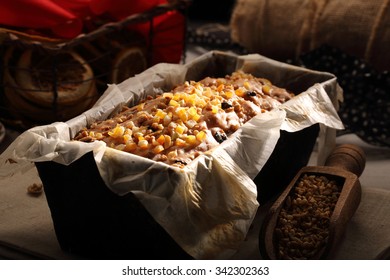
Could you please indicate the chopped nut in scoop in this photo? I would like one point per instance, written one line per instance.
(302, 228)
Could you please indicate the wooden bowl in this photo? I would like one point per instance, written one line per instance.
(308, 219)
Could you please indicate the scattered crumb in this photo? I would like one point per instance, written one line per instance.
(35, 189)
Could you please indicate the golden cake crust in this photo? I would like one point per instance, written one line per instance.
(176, 126)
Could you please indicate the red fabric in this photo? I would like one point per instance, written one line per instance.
(38, 14)
(167, 38)
(80, 8)
(167, 45)
(120, 9)
(67, 18)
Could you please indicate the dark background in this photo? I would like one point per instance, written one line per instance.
(211, 10)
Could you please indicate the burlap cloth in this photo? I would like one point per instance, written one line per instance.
(286, 29)
(26, 229)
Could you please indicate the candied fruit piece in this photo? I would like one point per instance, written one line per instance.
(158, 149)
(201, 135)
(117, 131)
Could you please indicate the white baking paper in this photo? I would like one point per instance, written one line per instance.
(208, 206)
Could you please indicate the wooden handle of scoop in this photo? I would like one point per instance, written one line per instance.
(348, 157)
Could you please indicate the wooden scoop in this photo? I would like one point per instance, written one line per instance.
(303, 223)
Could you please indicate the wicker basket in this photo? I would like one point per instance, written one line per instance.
(43, 80)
